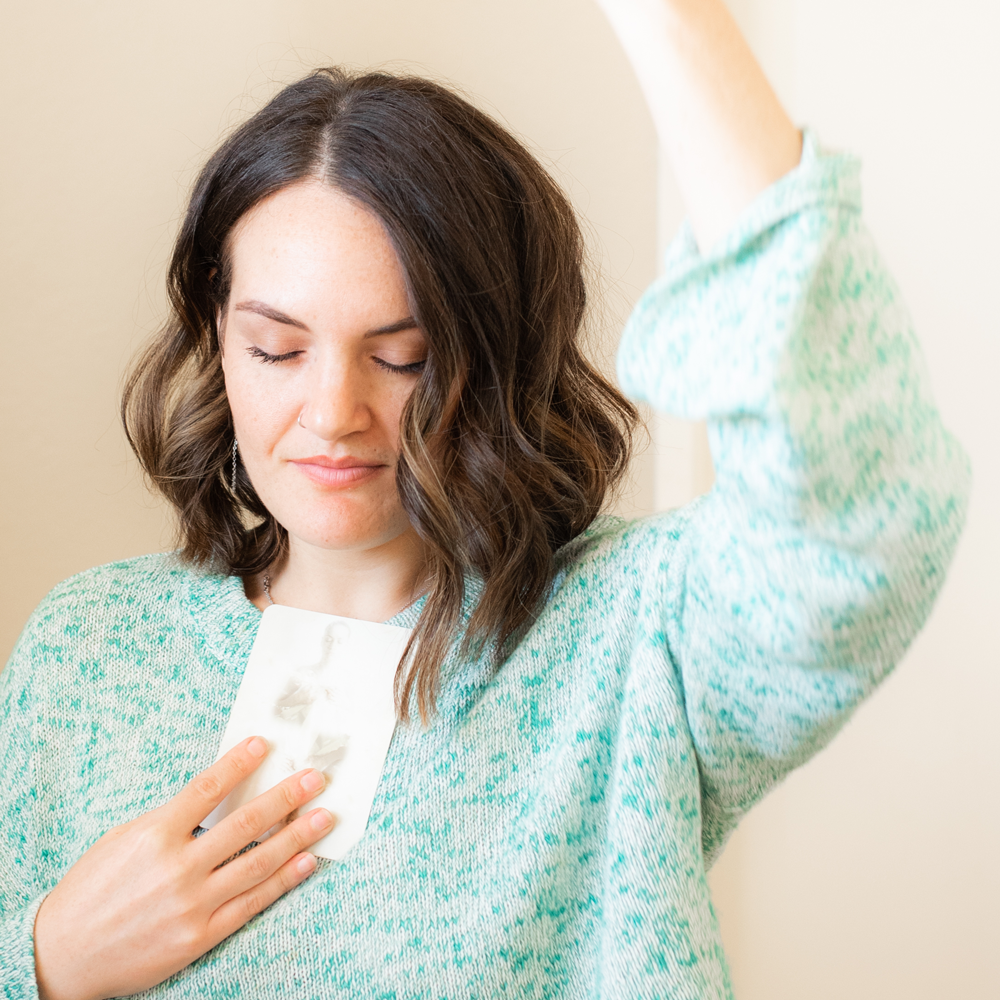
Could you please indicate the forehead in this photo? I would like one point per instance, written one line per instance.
(310, 246)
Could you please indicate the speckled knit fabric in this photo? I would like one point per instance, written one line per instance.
(548, 835)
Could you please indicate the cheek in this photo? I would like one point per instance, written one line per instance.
(392, 414)
(259, 405)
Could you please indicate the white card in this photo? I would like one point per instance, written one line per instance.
(318, 688)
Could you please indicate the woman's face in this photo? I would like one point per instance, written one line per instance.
(320, 354)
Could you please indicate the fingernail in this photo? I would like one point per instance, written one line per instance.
(305, 864)
(257, 747)
(321, 819)
(312, 781)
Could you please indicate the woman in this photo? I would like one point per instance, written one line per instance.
(370, 403)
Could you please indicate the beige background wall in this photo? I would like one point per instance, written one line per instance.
(873, 872)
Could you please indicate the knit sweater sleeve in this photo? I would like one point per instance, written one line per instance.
(799, 580)
(20, 894)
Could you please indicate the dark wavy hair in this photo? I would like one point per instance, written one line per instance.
(510, 441)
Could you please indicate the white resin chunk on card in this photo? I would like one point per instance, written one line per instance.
(318, 688)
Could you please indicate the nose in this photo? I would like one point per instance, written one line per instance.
(334, 406)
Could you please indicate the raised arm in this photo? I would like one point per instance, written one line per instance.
(794, 587)
(717, 117)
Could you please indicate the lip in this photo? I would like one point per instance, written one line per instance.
(345, 471)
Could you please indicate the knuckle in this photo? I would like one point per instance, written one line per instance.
(238, 761)
(267, 891)
(208, 785)
(283, 881)
(146, 838)
(253, 901)
(289, 793)
(247, 824)
(188, 937)
(259, 865)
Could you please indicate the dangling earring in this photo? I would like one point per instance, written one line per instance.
(232, 480)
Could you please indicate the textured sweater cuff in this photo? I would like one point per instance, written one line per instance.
(706, 339)
(17, 953)
(821, 180)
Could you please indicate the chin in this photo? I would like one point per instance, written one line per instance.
(346, 532)
(344, 520)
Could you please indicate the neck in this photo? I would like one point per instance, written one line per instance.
(370, 584)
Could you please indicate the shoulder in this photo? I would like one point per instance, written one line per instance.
(120, 584)
(102, 599)
(611, 545)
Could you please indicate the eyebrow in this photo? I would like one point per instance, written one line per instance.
(409, 323)
(263, 309)
(269, 312)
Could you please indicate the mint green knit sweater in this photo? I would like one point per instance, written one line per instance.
(548, 835)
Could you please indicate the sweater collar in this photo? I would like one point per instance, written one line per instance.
(227, 621)
(224, 619)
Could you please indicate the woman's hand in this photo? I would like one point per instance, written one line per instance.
(149, 898)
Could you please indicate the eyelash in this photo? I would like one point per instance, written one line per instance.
(412, 369)
(272, 359)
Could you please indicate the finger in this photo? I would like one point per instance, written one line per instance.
(234, 913)
(206, 790)
(258, 865)
(247, 823)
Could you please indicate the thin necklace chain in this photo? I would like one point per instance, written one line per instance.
(270, 599)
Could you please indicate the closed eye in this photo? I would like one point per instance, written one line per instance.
(270, 359)
(415, 368)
